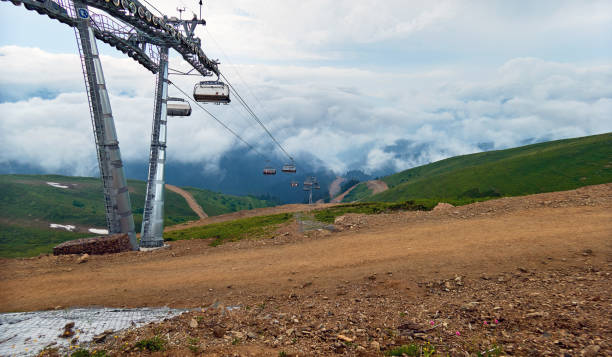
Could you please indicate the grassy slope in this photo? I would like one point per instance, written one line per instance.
(28, 205)
(252, 227)
(358, 193)
(214, 203)
(545, 167)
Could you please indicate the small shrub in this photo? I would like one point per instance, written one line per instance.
(155, 343)
(413, 350)
(76, 203)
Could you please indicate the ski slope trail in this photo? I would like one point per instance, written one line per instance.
(193, 204)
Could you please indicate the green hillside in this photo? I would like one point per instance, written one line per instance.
(544, 167)
(214, 203)
(29, 204)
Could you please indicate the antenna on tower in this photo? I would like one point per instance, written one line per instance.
(180, 10)
(200, 9)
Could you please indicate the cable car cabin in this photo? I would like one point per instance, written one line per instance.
(178, 107)
(289, 168)
(211, 92)
(269, 171)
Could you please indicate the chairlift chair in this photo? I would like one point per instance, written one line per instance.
(290, 168)
(268, 170)
(215, 92)
(295, 184)
(178, 107)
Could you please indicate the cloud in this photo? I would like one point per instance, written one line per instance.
(346, 116)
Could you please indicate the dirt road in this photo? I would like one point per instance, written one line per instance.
(195, 207)
(488, 237)
(334, 187)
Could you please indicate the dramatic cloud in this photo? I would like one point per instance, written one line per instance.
(357, 85)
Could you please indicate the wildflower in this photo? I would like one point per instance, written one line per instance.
(458, 333)
(496, 321)
(432, 323)
(485, 323)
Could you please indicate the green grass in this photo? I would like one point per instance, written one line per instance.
(214, 203)
(252, 227)
(358, 193)
(328, 215)
(28, 204)
(17, 242)
(544, 167)
(152, 344)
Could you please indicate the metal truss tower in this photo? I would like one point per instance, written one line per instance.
(153, 215)
(119, 217)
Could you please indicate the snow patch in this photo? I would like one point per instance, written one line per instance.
(55, 184)
(26, 333)
(98, 231)
(68, 227)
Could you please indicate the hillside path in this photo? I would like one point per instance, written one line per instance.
(190, 200)
(377, 186)
(553, 230)
(341, 196)
(334, 187)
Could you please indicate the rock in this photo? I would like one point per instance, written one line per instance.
(290, 332)
(83, 258)
(375, 345)
(344, 338)
(218, 331)
(68, 332)
(535, 314)
(590, 351)
(442, 206)
(193, 323)
(101, 337)
(252, 335)
(360, 349)
(470, 306)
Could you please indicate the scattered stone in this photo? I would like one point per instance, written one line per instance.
(193, 323)
(68, 330)
(218, 331)
(345, 338)
(83, 258)
(590, 351)
(535, 314)
(375, 345)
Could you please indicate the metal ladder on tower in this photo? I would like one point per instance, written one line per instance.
(98, 131)
(153, 215)
(117, 203)
(153, 156)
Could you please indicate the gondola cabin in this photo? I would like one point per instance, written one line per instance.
(211, 92)
(178, 107)
(290, 168)
(269, 171)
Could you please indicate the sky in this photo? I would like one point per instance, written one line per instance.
(371, 85)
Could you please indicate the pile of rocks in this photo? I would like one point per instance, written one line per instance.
(113, 243)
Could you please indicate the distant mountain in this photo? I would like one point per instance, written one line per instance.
(543, 167)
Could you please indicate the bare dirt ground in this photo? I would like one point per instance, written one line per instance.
(195, 207)
(377, 186)
(334, 187)
(530, 275)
